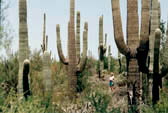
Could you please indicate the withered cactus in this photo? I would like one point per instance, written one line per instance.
(44, 45)
(109, 58)
(24, 63)
(47, 72)
(136, 50)
(75, 64)
(102, 46)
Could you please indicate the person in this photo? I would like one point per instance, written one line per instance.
(111, 81)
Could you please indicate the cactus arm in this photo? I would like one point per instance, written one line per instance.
(46, 43)
(145, 19)
(44, 34)
(82, 64)
(154, 25)
(132, 24)
(118, 33)
(26, 71)
(101, 30)
(59, 48)
(78, 37)
(23, 41)
(156, 78)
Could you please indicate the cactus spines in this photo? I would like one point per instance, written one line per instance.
(102, 46)
(74, 67)
(109, 58)
(23, 45)
(134, 47)
(47, 72)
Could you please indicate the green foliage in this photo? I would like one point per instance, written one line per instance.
(34, 104)
(8, 80)
(100, 102)
(82, 78)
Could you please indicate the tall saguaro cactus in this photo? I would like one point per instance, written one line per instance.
(44, 45)
(135, 50)
(24, 63)
(102, 46)
(75, 64)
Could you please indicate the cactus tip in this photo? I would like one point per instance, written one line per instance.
(158, 31)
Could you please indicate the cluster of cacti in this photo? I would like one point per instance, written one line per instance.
(75, 64)
(102, 46)
(109, 58)
(24, 63)
(136, 51)
(44, 45)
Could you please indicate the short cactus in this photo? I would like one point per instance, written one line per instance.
(75, 64)
(24, 63)
(102, 46)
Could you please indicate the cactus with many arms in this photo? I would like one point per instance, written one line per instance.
(136, 51)
(102, 46)
(24, 63)
(75, 64)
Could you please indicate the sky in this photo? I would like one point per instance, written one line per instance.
(57, 12)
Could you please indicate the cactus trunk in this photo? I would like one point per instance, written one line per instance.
(102, 46)
(23, 46)
(47, 73)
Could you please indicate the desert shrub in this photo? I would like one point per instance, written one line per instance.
(8, 76)
(82, 80)
(34, 104)
(100, 101)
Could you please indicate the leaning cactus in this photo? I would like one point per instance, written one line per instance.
(102, 46)
(109, 58)
(24, 63)
(75, 64)
(136, 50)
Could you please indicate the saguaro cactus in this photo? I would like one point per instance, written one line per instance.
(23, 86)
(102, 46)
(44, 45)
(136, 50)
(75, 66)
(109, 58)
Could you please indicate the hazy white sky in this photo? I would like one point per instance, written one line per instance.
(57, 12)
